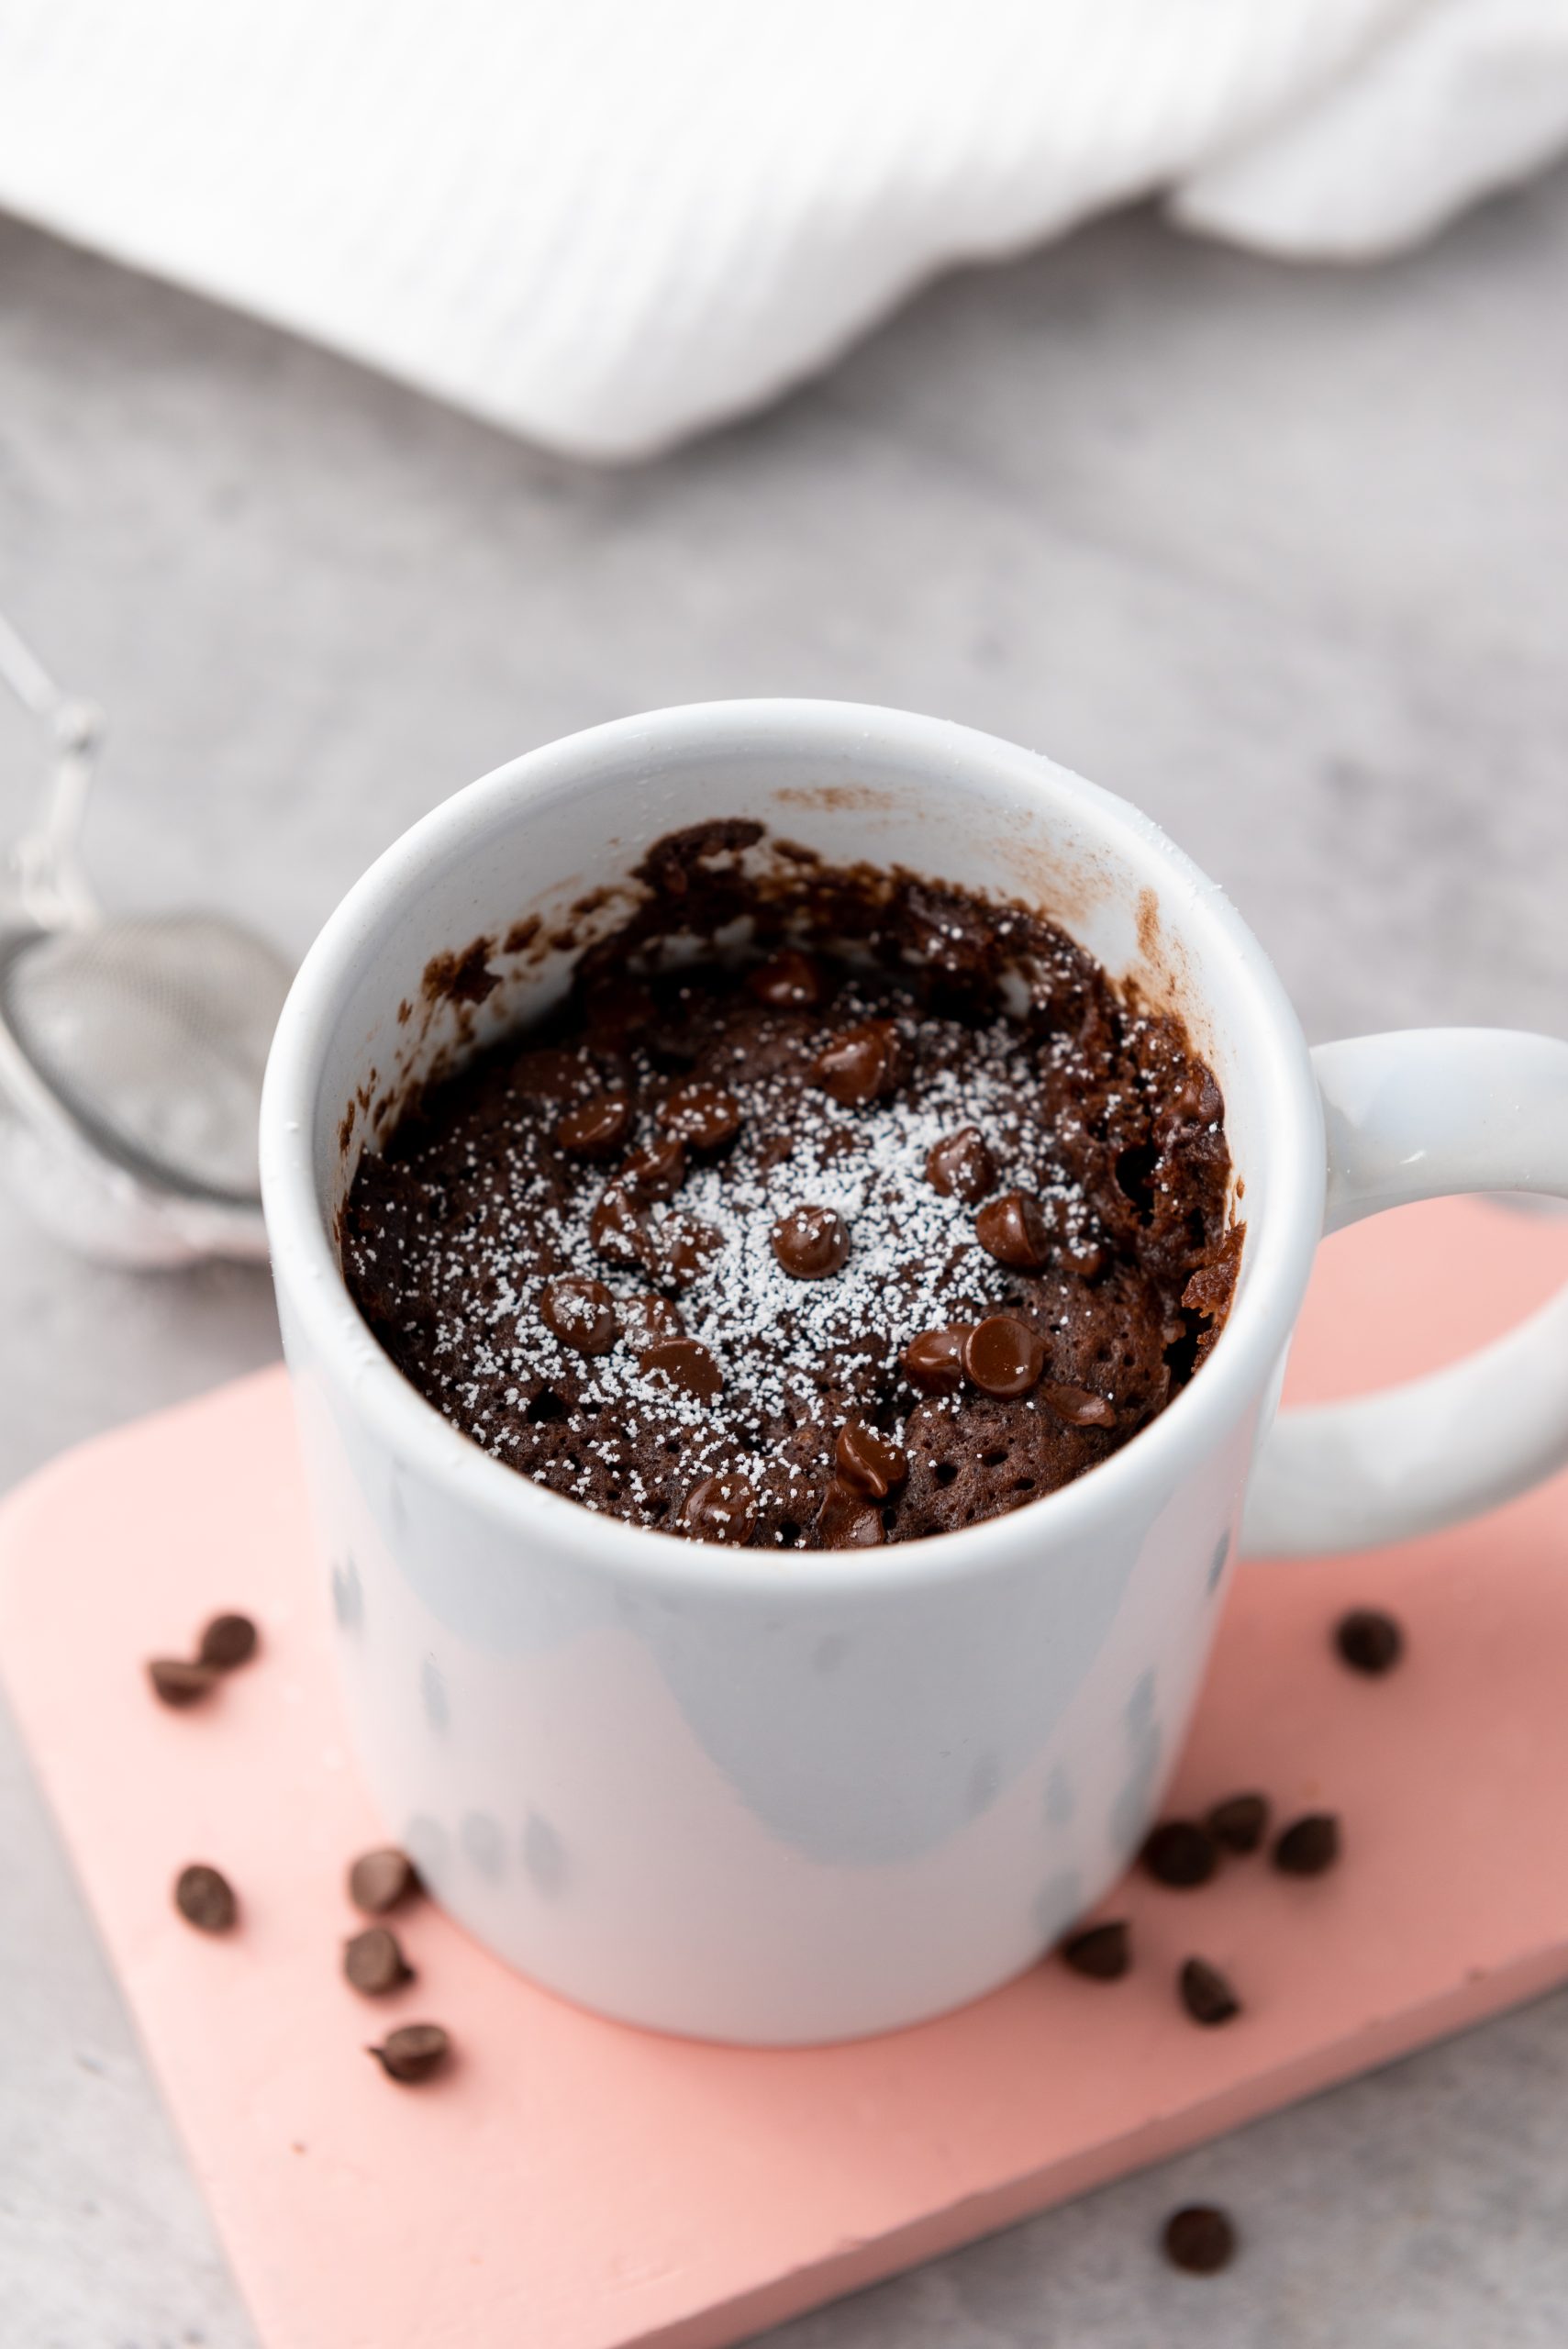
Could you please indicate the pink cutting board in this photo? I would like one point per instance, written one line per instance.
(575, 2185)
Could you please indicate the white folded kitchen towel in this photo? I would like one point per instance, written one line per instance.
(609, 222)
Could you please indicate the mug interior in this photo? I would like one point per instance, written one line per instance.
(471, 922)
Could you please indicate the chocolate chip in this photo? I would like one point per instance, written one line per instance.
(378, 1880)
(686, 1363)
(788, 981)
(846, 1519)
(1310, 1844)
(1077, 1406)
(680, 1248)
(413, 2051)
(1086, 1257)
(618, 1230)
(1003, 1357)
(721, 1509)
(702, 1116)
(1240, 1823)
(1017, 1230)
(810, 1242)
(934, 1360)
(658, 1171)
(227, 1641)
(1205, 1994)
(581, 1313)
(1199, 2240)
(861, 1064)
(1369, 1641)
(596, 1127)
(204, 1898)
(1180, 1853)
(869, 1462)
(646, 1320)
(1103, 1952)
(960, 1166)
(175, 1682)
(373, 1963)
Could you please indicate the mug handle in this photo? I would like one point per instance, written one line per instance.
(1418, 1115)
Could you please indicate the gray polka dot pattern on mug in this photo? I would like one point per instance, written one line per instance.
(433, 1696)
(544, 1856)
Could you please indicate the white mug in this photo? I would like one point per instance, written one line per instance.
(803, 1795)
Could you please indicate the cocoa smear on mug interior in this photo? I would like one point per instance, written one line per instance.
(897, 1218)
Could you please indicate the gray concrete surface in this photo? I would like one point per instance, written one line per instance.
(1279, 554)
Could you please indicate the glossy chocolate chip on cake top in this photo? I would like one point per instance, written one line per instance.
(807, 1249)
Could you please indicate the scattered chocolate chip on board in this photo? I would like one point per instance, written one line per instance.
(1179, 1853)
(1369, 1641)
(180, 1683)
(1205, 1994)
(1199, 2240)
(205, 1898)
(1240, 1823)
(228, 1642)
(412, 2052)
(1308, 1845)
(1100, 1952)
(374, 1963)
(378, 1880)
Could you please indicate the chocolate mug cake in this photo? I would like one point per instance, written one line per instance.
(829, 1208)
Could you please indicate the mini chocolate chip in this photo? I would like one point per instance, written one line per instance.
(861, 1064)
(204, 1898)
(721, 1509)
(596, 1127)
(960, 1166)
(1017, 1230)
(934, 1360)
(656, 1171)
(1369, 1641)
(1003, 1357)
(618, 1230)
(1077, 1406)
(1180, 1853)
(581, 1313)
(1102, 1952)
(1199, 2240)
(413, 2051)
(702, 1116)
(378, 1880)
(648, 1318)
(227, 1641)
(686, 1363)
(1240, 1823)
(373, 1963)
(869, 1462)
(1205, 1994)
(176, 1681)
(1086, 1257)
(846, 1519)
(788, 981)
(1310, 1844)
(810, 1242)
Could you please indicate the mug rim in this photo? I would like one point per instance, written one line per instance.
(304, 1260)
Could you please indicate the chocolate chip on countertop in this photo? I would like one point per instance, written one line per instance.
(179, 1682)
(1003, 1357)
(413, 2051)
(1179, 1853)
(861, 1064)
(596, 1127)
(1017, 1230)
(1240, 1823)
(788, 981)
(581, 1313)
(1205, 1994)
(847, 1521)
(686, 1363)
(1369, 1641)
(960, 1166)
(373, 1962)
(869, 1462)
(1199, 2240)
(227, 1641)
(205, 1899)
(703, 1117)
(721, 1509)
(1077, 1406)
(378, 1880)
(1103, 1953)
(933, 1361)
(810, 1242)
(1308, 1845)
